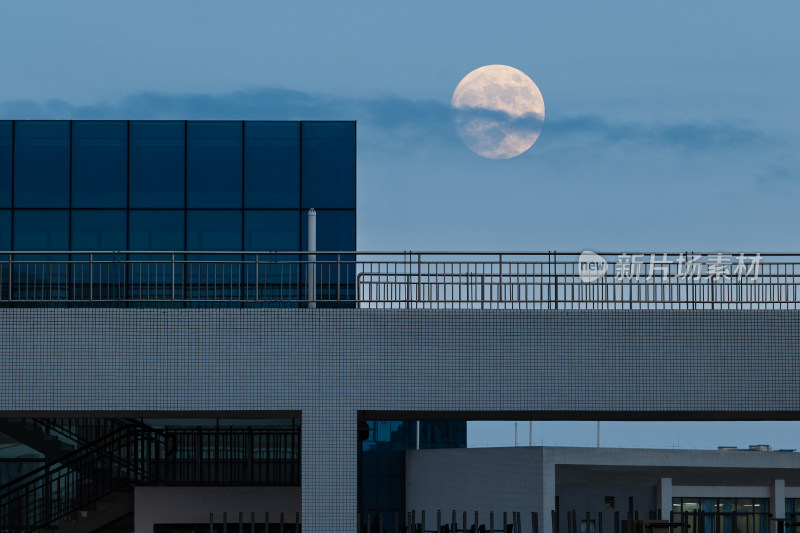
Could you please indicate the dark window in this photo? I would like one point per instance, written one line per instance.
(5, 231)
(157, 164)
(99, 164)
(156, 230)
(272, 164)
(266, 231)
(214, 177)
(336, 230)
(37, 230)
(329, 165)
(214, 231)
(41, 164)
(98, 230)
(5, 163)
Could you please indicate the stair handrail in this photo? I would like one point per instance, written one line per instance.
(23, 491)
(76, 437)
(92, 447)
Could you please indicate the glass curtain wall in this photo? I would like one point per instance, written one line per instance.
(201, 186)
(723, 515)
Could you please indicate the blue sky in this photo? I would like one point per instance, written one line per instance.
(670, 125)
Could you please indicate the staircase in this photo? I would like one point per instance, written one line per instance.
(57, 437)
(30, 432)
(87, 488)
(90, 488)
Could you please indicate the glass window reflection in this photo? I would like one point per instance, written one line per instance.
(266, 231)
(329, 165)
(41, 164)
(101, 230)
(99, 164)
(5, 231)
(214, 231)
(336, 230)
(214, 159)
(40, 230)
(272, 164)
(156, 230)
(157, 172)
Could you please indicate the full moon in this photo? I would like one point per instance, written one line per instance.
(499, 111)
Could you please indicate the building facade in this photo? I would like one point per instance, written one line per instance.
(600, 489)
(122, 190)
(176, 185)
(91, 329)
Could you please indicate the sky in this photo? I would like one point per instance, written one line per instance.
(669, 125)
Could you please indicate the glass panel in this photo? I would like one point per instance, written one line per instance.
(691, 504)
(329, 165)
(41, 164)
(745, 505)
(214, 177)
(336, 230)
(155, 276)
(214, 278)
(272, 164)
(5, 231)
(5, 163)
(157, 164)
(266, 231)
(214, 231)
(335, 275)
(99, 164)
(156, 230)
(38, 230)
(41, 276)
(102, 230)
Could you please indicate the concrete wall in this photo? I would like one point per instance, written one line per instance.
(331, 364)
(192, 505)
(526, 479)
(591, 498)
(483, 480)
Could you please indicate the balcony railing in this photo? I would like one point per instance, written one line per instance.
(417, 280)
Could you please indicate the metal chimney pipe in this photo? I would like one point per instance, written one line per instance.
(311, 270)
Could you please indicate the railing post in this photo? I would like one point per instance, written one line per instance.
(419, 278)
(10, 276)
(555, 273)
(172, 292)
(91, 277)
(500, 284)
(256, 289)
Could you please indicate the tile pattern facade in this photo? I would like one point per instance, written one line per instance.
(331, 364)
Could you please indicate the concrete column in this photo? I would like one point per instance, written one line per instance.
(548, 503)
(777, 502)
(329, 477)
(664, 497)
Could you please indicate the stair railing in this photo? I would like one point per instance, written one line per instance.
(56, 490)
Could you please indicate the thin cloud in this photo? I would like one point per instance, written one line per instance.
(690, 136)
(390, 119)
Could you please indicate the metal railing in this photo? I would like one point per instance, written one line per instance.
(136, 454)
(418, 280)
(76, 432)
(231, 456)
(56, 490)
